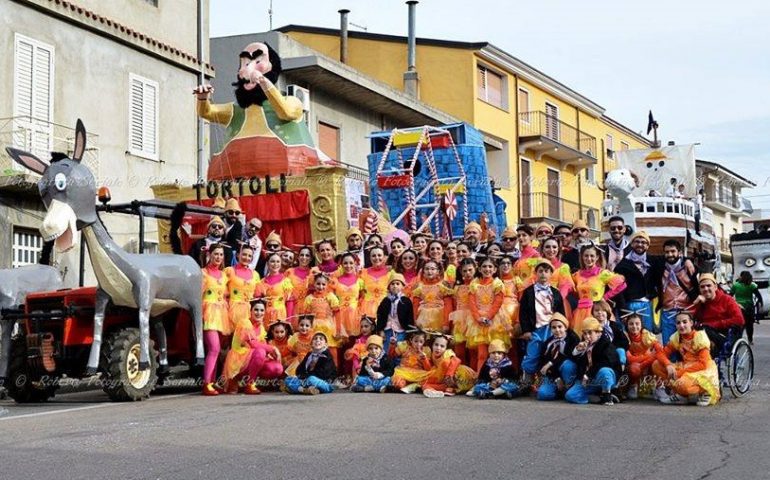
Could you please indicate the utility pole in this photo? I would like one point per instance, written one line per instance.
(270, 13)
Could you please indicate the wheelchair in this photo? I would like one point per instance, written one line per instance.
(735, 363)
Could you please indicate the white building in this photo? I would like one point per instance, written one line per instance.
(127, 69)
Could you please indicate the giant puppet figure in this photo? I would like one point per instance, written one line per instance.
(152, 284)
(751, 253)
(265, 134)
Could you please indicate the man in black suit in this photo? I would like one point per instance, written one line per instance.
(214, 234)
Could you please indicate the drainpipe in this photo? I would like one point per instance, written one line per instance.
(411, 79)
(201, 79)
(344, 35)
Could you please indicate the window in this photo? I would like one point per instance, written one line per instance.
(523, 104)
(609, 144)
(27, 245)
(624, 145)
(591, 175)
(490, 87)
(33, 96)
(329, 140)
(143, 117)
(551, 121)
(525, 188)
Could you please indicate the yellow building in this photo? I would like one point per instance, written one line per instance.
(547, 145)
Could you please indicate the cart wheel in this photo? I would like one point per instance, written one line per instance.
(24, 385)
(124, 380)
(741, 368)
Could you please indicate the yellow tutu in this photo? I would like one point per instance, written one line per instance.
(477, 334)
(410, 375)
(459, 321)
(502, 324)
(215, 317)
(466, 378)
(431, 318)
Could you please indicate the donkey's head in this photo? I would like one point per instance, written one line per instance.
(67, 188)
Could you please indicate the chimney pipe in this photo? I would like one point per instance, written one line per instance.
(411, 79)
(344, 35)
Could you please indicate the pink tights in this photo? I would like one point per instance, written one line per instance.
(211, 340)
(260, 367)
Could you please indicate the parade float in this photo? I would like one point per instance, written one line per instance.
(637, 192)
(751, 253)
(420, 178)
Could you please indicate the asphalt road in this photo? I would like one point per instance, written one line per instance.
(179, 434)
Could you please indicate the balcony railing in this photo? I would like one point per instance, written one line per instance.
(544, 206)
(724, 245)
(41, 137)
(540, 124)
(731, 202)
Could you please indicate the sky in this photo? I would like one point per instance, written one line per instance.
(703, 67)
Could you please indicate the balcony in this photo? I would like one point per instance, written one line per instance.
(724, 247)
(547, 135)
(727, 204)
(40, 138)
(544, 207)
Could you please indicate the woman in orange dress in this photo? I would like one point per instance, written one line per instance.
(349, 289)
(242, 282)
(277, 290)
(461, 316)
(216, 322)
(507, 318)
(300, 277)
(250, 357)
(593, 283)
(375, 280)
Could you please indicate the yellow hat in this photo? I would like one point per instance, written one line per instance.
(497, 346)
(579, 224)
(215, 220)
(510, 231)
(232, 204)
(273, 237)
(472, 226)
(219, 202)
(707, 277)
(397, 277)
(590, 324)
(558, 317)
(543, 261)
(640, 234)
(374, 340)
(544, 225)
(352, 232)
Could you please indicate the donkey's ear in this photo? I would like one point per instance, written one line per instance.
(27, 160)
(80, 141)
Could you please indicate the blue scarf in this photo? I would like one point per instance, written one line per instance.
(505, 362)
(672, 271)
(639, 260)
(394, 299)
(607, 331)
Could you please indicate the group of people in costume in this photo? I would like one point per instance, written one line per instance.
(544, 310)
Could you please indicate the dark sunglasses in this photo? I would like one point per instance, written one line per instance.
(619, 229)
(273, 246)
(509, 239)
(218, 226)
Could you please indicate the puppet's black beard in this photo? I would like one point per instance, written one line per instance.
(247, 98)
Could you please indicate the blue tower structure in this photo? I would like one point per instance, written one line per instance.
(454, 151)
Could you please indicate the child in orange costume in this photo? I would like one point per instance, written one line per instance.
(278, 336)
(485, 300)
(432, 299)
(323, 304)
(693, 380)
(642, 348)
(415, 362)
(300, 344)
(448, 375)
(461, 315)
(354, 354)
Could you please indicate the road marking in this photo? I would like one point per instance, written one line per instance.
(90, 407)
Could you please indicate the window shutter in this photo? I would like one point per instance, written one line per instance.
(33, 101)
(143, 117)
(482, 81)
(494, 89)
(23, 80)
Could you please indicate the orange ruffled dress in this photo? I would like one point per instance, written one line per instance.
(300, 287)
(240, 351)
(486, 297)
(375, 289)
(276, 294)
(461, 316)
(432, 304)
(240, 292)
(283, 347)
(215, 311)
(323, 305)
(348, 317)
(697, 373)
(299, 345)
(449, 366)
(508, 315)
(412, 369)
(591, 286)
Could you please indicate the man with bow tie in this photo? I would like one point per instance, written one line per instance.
(538, 304)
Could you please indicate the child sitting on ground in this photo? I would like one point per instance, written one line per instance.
(315, 372)
(598, 366)
(557, 369)
(414, 365)
(642, 348)
(497, 377)
(376, 368)
(300, 342)
(354, 354)
(611, 329)
(278, 336)
(448, 375)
